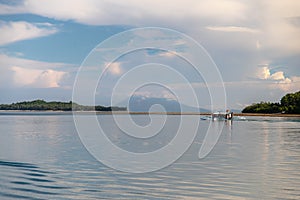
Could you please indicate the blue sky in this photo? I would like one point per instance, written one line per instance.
(255, 44)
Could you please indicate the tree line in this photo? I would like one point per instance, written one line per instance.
(290, 103)
(42, 105)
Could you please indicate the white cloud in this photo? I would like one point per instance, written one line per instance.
(11, 9)
(277, 76)
(7, 61)
(263, 73)
(135, 12)
(37, 78)
(291, 84)
(155, 93)
(288, 8)
(278, 80)
(280, 37)
(168, 54)
(19, 72)
(21, 30)
(114, 68)
(232, 29)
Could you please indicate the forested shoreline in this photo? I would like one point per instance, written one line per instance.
(290, 103)
(41, 105)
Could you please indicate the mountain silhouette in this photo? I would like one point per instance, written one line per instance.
(143, 104)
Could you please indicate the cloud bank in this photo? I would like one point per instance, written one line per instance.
(132, 12)
(21, 30)
(274, 20)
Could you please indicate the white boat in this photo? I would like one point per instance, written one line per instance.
(222, 115)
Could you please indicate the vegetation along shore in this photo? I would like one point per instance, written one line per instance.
(290, 104)
(41, 105)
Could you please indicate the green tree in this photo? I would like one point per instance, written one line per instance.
(290, 103)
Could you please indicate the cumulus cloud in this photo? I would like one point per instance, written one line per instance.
(19, 72)
(278, 79)
(37, 78)
(265, 74)
(114, 68)
(277, 76)
(21, 30)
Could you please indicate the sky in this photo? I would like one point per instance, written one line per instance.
(254, 44)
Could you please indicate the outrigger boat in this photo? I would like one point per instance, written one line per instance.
(222, 115)
(219, 116)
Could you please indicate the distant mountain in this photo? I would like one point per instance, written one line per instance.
(143, 104)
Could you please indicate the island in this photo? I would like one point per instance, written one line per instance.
(41, 105)
(289, 104)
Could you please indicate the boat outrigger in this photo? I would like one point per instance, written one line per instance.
(222, 115)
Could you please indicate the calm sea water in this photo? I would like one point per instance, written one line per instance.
(42, 157)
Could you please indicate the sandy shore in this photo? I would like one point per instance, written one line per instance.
(205, 114)
(146, 113)
(267, 115)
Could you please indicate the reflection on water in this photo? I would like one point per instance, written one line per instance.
(41, 157)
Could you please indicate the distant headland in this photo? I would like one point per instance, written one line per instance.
(289, 104)
(41, 105)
